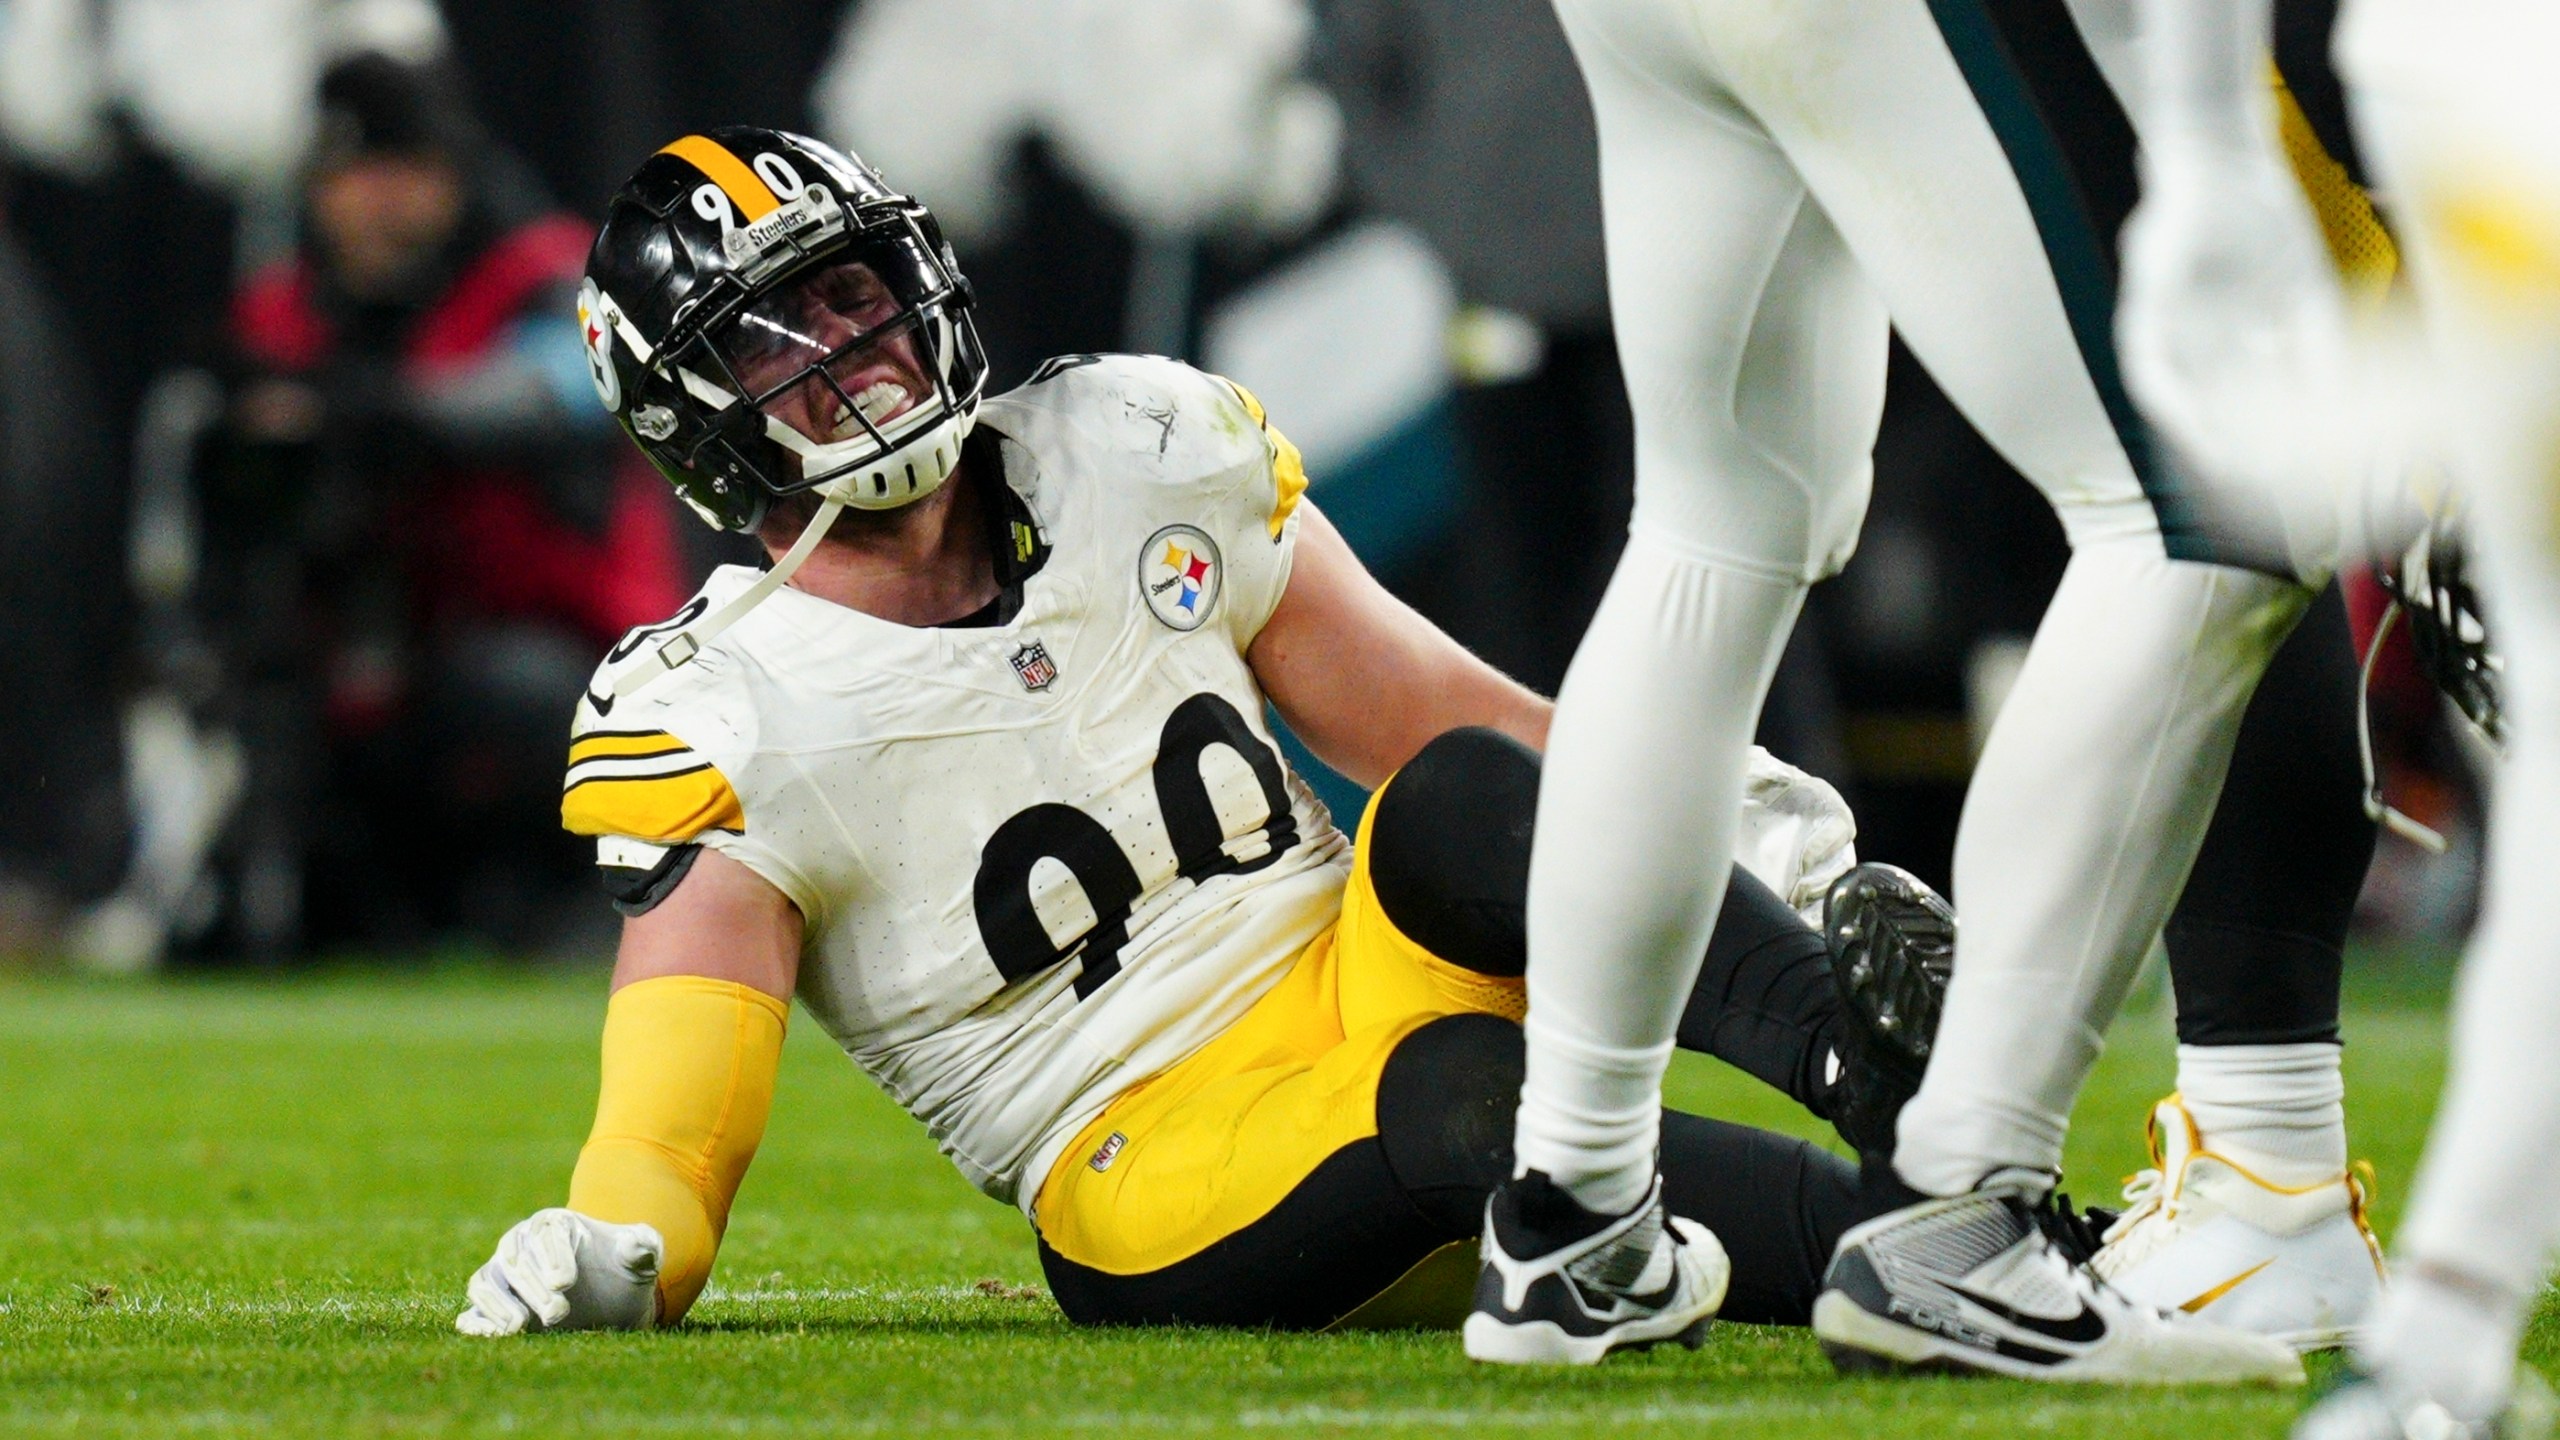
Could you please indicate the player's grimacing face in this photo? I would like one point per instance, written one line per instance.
(822, 319)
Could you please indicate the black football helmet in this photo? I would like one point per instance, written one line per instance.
(766, 317)
(2448, 630)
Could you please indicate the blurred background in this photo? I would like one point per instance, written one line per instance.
(311, 528)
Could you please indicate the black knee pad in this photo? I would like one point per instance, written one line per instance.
(1449, 849)
(1445, 1104)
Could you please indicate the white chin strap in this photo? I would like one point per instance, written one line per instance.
(688, 642)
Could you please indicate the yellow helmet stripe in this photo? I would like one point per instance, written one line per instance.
(745, 189)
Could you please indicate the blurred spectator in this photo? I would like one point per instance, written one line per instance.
(1095, 160)
(420, 532)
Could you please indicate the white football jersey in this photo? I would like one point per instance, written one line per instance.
(1039, 861)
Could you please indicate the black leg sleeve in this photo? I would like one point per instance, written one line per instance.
(2255, 943)
(1778, 1204)
(1449, 856)
(1764, 1001)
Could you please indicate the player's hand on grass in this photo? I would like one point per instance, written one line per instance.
(561, 1270)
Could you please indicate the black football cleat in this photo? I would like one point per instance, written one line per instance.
(1892, 942)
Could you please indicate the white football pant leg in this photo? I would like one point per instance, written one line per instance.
(2084, 816)
(2093, 792)
(1754, 357)
(1753, 365)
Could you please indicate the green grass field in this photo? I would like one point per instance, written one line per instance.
(235, 1208)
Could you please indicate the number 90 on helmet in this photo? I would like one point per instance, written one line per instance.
(766, 317)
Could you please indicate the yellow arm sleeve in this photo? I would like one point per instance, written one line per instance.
(689, 1065)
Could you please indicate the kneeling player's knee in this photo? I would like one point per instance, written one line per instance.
(1445, 1103)
(1449, 849)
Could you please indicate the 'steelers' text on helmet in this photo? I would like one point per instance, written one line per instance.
(766, 317)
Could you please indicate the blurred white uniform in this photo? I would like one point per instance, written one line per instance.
(1778, 180)
(2454, 102)
(1099, 784)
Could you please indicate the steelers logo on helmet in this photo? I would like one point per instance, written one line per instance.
(595, 328)
(1181, 575)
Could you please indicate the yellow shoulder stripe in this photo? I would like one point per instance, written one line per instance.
(736, 179)
(664, 809)
(1252, 406)
(2365, 255)
(1288, 467)
(624, 744)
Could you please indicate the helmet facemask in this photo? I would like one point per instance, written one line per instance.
(855, 377)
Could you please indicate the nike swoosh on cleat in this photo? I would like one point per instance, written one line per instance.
(2080, 1329)
(2225, 1288)
(1621, 1307)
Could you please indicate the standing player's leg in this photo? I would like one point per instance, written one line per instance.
(2252, 1150)
(2095, 787)
(1445, 852)
(1754, 359)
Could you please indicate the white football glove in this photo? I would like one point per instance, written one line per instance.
(561, 1270)
(1797, 834)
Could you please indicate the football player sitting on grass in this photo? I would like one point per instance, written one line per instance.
(979, 771)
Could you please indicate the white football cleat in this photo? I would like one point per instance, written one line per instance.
(1561, 1285)
(2206, 1237)
(1981, 1283)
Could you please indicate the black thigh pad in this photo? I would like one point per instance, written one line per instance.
(1445, 1105)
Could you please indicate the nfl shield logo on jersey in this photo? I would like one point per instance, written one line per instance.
(1180, 575)
(1033, 664)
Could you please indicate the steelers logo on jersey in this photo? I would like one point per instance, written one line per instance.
(1180, 574)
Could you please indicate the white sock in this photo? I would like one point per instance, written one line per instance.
(1597, 1125)
(2277, 1111)
(2082, 820)
(1637, 811)
(2453, 1344)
